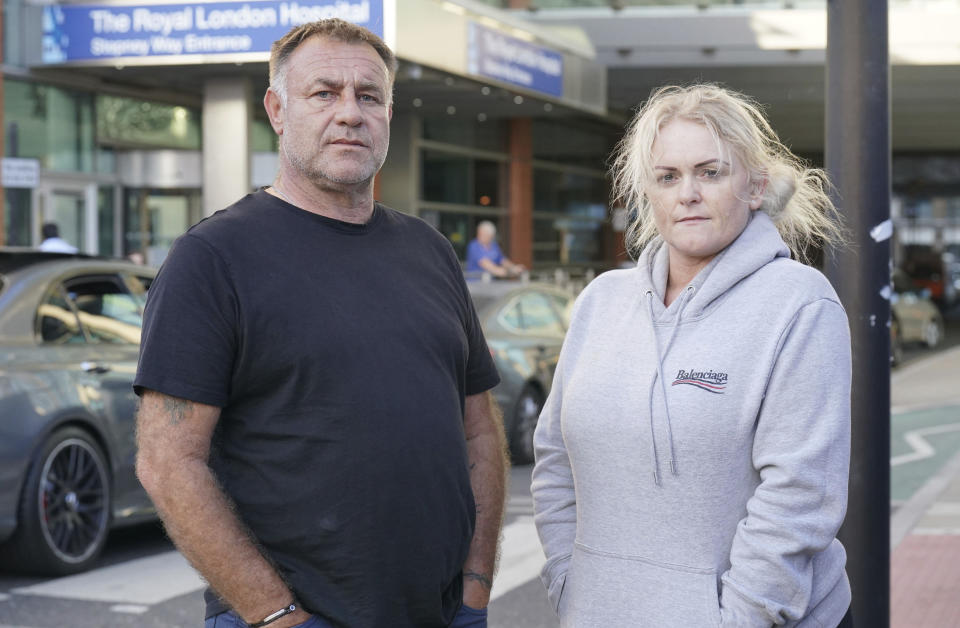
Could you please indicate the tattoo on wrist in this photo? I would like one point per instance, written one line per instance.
(176, 407)
(482, 578)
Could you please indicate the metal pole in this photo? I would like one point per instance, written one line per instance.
(858, 161)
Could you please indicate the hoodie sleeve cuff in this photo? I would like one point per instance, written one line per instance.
(554, 576)
(737, 611)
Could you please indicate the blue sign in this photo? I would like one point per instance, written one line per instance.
(111, 31)
(511, 60)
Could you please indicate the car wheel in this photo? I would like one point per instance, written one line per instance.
(525, 417)
(933, 333)
(64, 508)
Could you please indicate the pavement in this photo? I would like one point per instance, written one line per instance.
(925, 524)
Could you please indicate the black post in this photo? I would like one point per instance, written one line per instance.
(858, 161)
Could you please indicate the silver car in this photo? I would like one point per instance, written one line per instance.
(524, 324)
(69, 339)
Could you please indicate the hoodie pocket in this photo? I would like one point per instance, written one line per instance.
(604, 589)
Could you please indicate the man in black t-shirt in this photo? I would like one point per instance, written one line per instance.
(316, 428)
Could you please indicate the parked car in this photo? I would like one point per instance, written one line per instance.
(524, 324)
(914, 317)
(69, 338)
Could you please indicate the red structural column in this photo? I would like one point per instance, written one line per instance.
(520, 178)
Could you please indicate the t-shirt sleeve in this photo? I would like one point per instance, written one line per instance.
(481, 372)
(190, 328)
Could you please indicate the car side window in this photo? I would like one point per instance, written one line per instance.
(564, 305)
(107, 311)
(531, 313)
(538, 317)
(139, 285)
(58, 322)
(512, 318)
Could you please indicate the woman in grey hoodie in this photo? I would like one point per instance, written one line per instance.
(692, 458)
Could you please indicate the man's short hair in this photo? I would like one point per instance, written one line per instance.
(486, 225)
(50, 230)
(333, 28)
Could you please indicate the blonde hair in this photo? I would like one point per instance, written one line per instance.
(795, 196)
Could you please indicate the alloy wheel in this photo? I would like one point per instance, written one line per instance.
(72, 500)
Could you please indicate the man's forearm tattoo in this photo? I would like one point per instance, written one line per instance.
(176, 407)
(482, 578)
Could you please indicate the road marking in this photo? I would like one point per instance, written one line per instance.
(936, 531)
(132, 609)
(519, 505)
(910, 514)
(922, 449)
(144, 581)
(521, 557)
(136, 585)
(944, 508)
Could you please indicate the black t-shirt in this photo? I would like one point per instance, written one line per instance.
(340, 355)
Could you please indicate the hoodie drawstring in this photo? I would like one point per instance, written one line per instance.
(684, 300)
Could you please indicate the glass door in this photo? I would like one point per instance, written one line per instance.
(154, 218)
(68, 211)
(72, 206)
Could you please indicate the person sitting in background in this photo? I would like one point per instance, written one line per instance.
(484, 254)
(52, 242)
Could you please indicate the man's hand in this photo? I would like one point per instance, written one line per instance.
(487, 454)
(173, 440)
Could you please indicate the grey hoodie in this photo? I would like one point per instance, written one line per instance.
(692, 460)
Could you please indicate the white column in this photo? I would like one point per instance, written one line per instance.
(226, 142)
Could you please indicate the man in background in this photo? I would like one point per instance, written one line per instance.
(52, 242)
(484, 254)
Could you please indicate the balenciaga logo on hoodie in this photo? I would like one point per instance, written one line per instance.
(710, 381)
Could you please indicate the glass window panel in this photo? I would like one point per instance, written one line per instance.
(566, 240)
(918, 208)
(51, 124)
(574, 143)
(446, 178)
(105, 220)
(569, 193)
(953, 208)
(106, 160)
(153, 219)
(16, 218)
(107, 312)
(68, 212)
(130, 121)
(487, 135)
(457, 229)
(487, 177)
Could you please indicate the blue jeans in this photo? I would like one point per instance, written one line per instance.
(466, 618)
(470, 618)
(229, 619)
